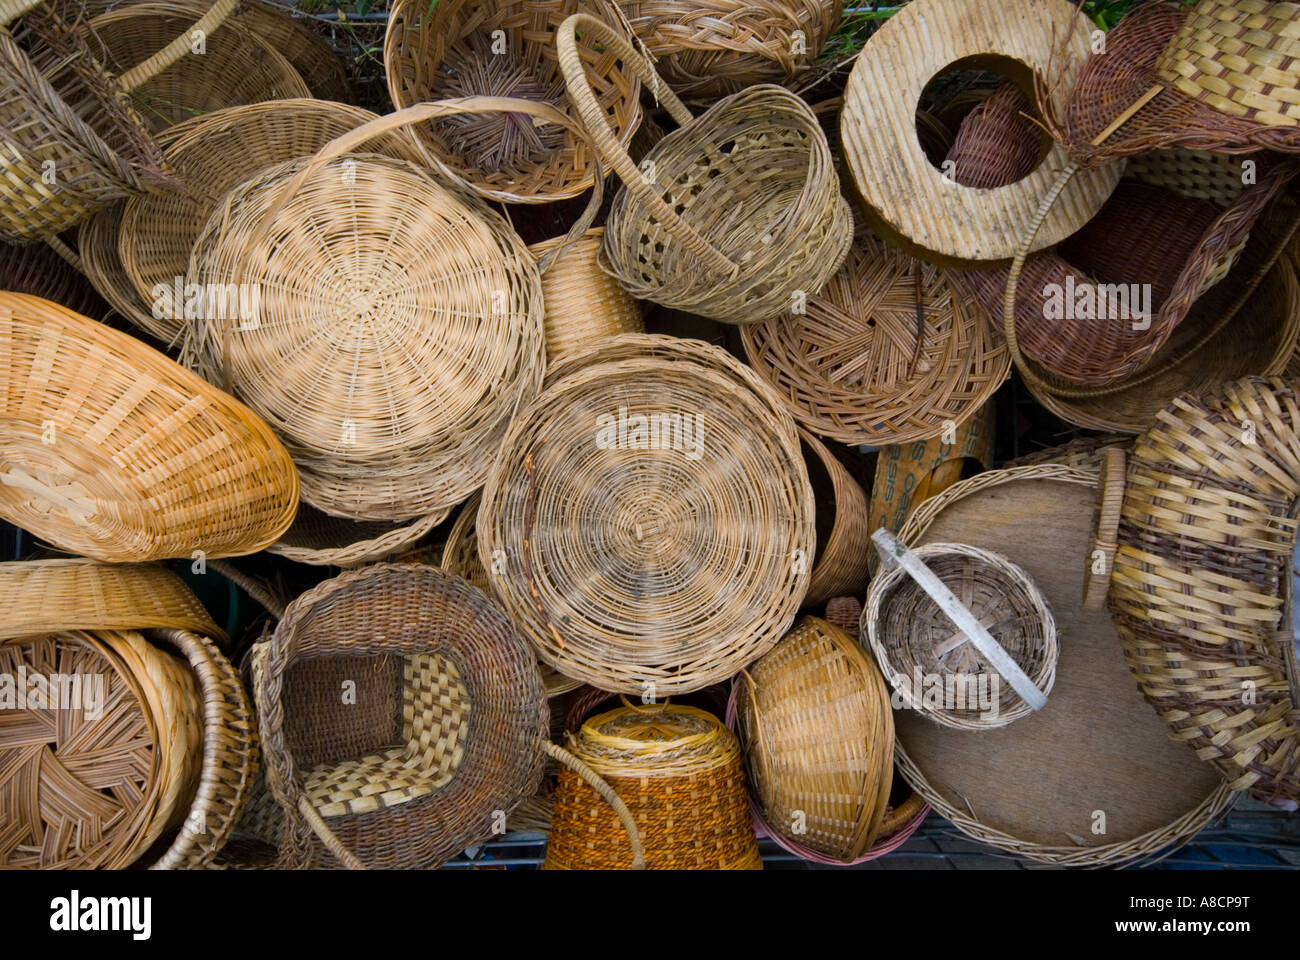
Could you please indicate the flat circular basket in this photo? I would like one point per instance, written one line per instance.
(1202, 586)
(814, 721)
(111, 450)
(890, 351)
(1091, 779)
(652, 517)
(504, 48)
(395, 335)
(679, 771)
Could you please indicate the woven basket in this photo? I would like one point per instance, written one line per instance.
(679, 771)
(39, 271)
(57, 104)
(320, 540)
(583, 303)
(1033, 788)
(306, 50)
(237, 65)
(1201, 589)
(815, 724)
(111, 450)
(97, 240)
(733, 215)
(468, 48)
(170, 745)
(710, 50)
(398, 332)
(914, 635)
(889, 352)
(212, 155)
(650, 570)
(843, 537)
(444, 737)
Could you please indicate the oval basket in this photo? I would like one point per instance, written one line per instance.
(111, 450)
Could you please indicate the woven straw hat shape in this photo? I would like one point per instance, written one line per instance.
(110, 449)
(445, 729)
(398, 332)
(679, 771)
(452, 49)
(720, 47)
(1201, 588)
(850, 367)
(636, 568)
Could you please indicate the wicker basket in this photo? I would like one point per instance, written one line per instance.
(1034, 788)
(889, 352)
(39, 271)
(111, 450)
(843, 538)
(97, 240)
(168, 747)
(1201, 589)
(308, 52)
(584, 304)
(443, 734)
(320, 540)
(58, 105)
(815, 724)
(237, 65)
(644, 568)
(213, 154)
(710, 50)
(741, 212)
(399, 332)
(467, 48)
(985, 620)
(679, 771)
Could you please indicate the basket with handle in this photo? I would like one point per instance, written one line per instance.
(170, 747)
(111, 450)
(729, 217)
(59, 106)
(440, 736)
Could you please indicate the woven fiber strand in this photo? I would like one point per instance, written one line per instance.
(583, 303)
(850, 368)
(638, 568)
(318, 539)
(212, 155)
(906, 192)
(1201, 584)
(97, 240)
(398, 332)
(144, 460)
(504, 48)
(713, 49)
(908, 631)
(741, 212)
(815, 723)
(679, 771)
(1030, 788)
(236, 66)
(840, 566)
(39, 271)
(444, 732)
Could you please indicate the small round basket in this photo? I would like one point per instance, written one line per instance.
(921, 645)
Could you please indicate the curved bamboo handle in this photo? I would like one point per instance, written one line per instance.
(332, 843)
(142, 73)
(607, 145)
(593, 780)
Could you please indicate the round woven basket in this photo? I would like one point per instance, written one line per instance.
(679, 771)
(843, 537)
(236, 65)
(584, 304)
(732, 216)
(890, 351)
(168, 746)
(708, 50)
(111, 450)
(915, 639)
(306, 50)
(650, 564)
(97, 240)
(397, 333)
(320, 540)
(1201, 588)
(213, 154)
(469, 48)
(1091, 779)
(815, 724)
(39, 271)
(439, 734)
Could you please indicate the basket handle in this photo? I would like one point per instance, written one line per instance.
(593, 780)
(608, 146)
(893, 551)
(142, 73)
